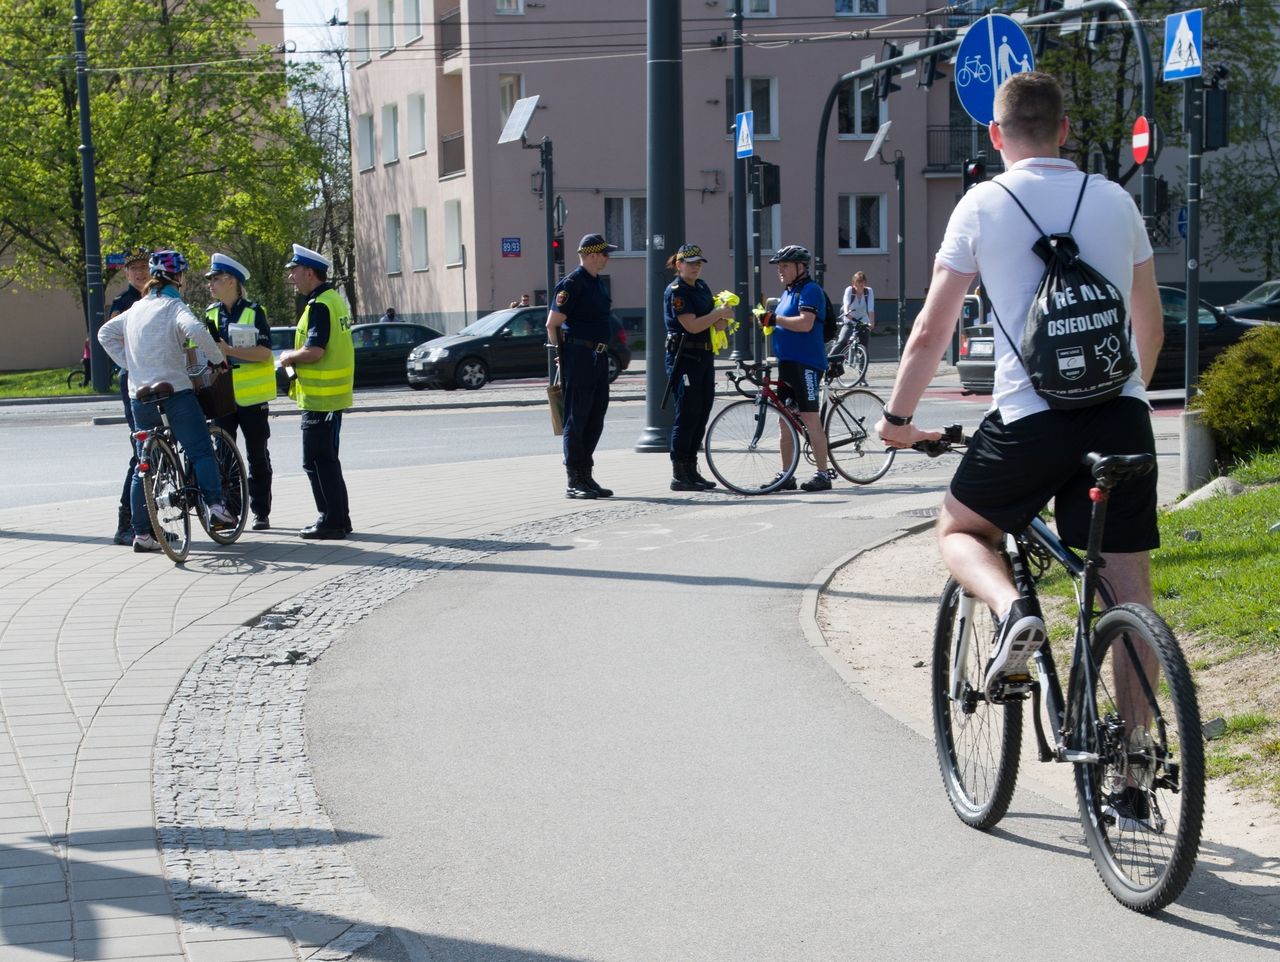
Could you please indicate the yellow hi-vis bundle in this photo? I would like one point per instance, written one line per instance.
(719, 338)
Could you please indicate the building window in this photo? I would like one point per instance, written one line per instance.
(863, 224)
(510, 6)
(418, 242)
(416, 123)
(386, 25)
(393, 243)
(760, 97)
(758, 8)
(625, 224)
(453, 232)
(412, 20)
(859, 8)
(510, 89)
(361, 21)
(861, 111)
(364, 141)
(390, 133)
(770, 228)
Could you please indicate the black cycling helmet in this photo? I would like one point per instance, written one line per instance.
(793, 253)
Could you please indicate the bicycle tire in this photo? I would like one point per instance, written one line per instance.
(855, 366)
(848, 424)
(1144, 863)
(164, 485)
(977, 742)
(75, 379)
(235, 485)
(744, 450)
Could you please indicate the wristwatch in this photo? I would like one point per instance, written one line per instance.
(897, 420)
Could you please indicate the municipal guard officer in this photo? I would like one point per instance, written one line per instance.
(689, 312)
(578, 327)
(241, 328)
(323, 357)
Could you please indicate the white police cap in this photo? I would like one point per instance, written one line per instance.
(222, 264)
(306, 257)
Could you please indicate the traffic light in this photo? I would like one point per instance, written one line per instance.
(1217, 109)
(975, 171)
(557, 253)
(884, 80)
(766, 183)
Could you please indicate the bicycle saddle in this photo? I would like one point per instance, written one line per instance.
(1111, 469)
(158, 391)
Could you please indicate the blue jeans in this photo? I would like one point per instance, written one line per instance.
(189, 427)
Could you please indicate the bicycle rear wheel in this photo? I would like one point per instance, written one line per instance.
(744, 450)
(164, 485)
(977, 741)
(858, 456)
(1142, 803)
(235, 485)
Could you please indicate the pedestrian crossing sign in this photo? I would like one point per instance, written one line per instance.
(1183, 43)
(745, 133)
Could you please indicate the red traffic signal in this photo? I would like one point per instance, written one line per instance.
(975, 172)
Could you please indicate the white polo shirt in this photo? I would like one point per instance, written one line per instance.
(989, 235)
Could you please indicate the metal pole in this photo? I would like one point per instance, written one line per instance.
(899, 172)
(742, 340)
(549, 227)
(1193, 93)
(666, 205)
(100, 364)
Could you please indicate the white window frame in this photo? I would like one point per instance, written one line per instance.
(505, 81)
(386, 26)
(848, 204)
(453, 233)
(879, 11)
(412, 21)
(770, 216)
(364, 142)
(625, 249)
(884, 113)
(416, 124)
(362, 34)
(509, 8)
(757, 132)
(420, 256)
(394, 240)
(770, 10)
(390, 134)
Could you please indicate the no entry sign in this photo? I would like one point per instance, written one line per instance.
(1141, 140)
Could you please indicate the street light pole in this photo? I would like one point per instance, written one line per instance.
(742, 339)
(94, 296)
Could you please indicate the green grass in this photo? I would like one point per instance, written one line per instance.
(1247, 724)
(1263, 467)
(50, 382)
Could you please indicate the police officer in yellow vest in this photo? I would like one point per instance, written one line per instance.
(240, 326)
(324, 360)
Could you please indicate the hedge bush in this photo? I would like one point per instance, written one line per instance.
(1240, 395)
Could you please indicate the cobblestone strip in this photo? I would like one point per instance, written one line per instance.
(245, 839)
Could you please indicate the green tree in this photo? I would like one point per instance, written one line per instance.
(196, 146)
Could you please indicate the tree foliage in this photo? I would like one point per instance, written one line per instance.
(195, 144)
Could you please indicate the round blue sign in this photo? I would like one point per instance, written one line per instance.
(994, 49)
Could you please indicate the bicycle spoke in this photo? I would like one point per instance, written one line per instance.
(855, 453)
(743, 448)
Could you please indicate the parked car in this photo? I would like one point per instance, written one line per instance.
(380, 351)
(509, 343)
(976, 365)
(1260, 304)
(974, 359)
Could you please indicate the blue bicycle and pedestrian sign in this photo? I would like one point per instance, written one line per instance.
(994, 49)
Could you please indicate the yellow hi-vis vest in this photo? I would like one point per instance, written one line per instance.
(254, 382)
(325, 385)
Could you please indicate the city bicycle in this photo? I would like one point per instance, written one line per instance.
(743, 445)
(1129, 723)
(79, 377)
(169, 482)
(852, 353)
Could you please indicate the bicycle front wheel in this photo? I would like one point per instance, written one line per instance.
(235, 485)
(1142, 802)
(854, 453)
(977, 741)
(164, 485)
(855, 365)
(744, 450)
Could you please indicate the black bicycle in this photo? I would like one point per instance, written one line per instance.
(1129, 724)
(170, 486)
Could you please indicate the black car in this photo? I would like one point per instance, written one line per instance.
(380, 351)
(1260, 304)
(1217, 331)
(509, 343)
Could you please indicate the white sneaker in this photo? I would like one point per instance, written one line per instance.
(145, 542)
(218, 516)
(1019, 636)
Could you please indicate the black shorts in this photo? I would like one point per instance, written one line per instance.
(1010, 471)
(799, 384)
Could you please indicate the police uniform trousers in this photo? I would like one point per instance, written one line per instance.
(584, 374)
(253, 421)
(320, 435)
(694, 390)
(125, 513)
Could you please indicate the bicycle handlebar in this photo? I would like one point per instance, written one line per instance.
(952, 437)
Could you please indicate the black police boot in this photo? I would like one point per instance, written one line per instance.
(704, 483)
(680, 479)
(578, 488)
(601, 492)
(124, 528)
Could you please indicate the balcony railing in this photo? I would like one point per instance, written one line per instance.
(949, 147)
(453, 153)
(450, 34)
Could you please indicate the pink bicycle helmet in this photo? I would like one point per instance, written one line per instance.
(168, 264)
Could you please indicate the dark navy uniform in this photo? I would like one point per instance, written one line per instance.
(584, 363)
(130, 296)
(694, 381)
